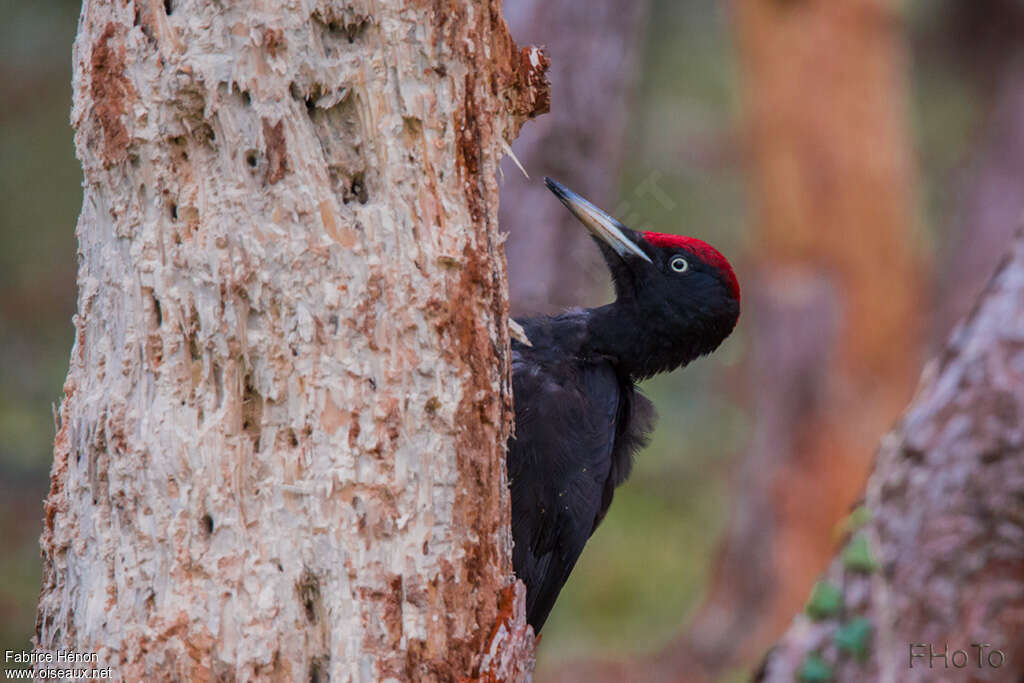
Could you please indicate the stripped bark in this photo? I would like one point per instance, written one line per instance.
(595, 48)
(941, 561)
(281, 444)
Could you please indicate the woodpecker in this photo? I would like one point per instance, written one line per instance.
(579, 417)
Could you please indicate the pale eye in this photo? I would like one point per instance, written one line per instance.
(679, 264)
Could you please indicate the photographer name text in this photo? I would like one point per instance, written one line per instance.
(49, 657)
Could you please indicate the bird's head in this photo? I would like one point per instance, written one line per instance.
(677, 297)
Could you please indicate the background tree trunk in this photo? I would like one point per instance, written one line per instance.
(946, 529)
(280, 452)
(834, 306)
(983, 39)
(595, 48)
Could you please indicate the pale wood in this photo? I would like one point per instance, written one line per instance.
(281, 447)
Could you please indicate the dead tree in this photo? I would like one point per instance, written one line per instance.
(280, 452)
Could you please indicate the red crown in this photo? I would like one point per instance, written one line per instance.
(703, 250)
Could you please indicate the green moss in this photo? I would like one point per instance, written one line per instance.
(826, 600)
(860, 516)
(855, 637)
(815, 670)
(858, 556)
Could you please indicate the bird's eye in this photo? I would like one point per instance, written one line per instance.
(679, 264)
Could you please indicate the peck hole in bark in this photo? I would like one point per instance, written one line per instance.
(308, 589)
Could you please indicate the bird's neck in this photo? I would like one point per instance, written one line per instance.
(638, 344)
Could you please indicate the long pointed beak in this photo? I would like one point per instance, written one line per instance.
(600, 224)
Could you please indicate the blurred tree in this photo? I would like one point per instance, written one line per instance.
(835, 303)
(934, 561)
(983, 40)
(280, 449)
(594, 46)
(834, 308)
(40, 195)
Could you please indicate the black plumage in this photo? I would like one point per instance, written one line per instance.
(578, 416)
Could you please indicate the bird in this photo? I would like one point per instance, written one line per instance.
(578, 416)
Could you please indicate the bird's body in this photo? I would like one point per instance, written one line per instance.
(578, 416)
(580, 428)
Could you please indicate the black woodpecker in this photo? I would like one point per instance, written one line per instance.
(579, 417)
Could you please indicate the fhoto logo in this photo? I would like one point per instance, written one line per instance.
(982, 655)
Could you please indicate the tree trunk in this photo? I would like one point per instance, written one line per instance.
(832, 308)
(595, 48)
(983, 36)
(834, 305)
(940, 565)
(280, 452)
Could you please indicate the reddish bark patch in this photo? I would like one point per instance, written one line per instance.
(531, 79)
(518, 75)
(61, 452)
(482, 420)
(154, 351)
(353, 431)
(383, 633)
(506, 609)
(511, 642)
(516, 91)
(109, 89)
(469, 150)
(50, 544)
(277, 151)
(273, 41)
(364, 318)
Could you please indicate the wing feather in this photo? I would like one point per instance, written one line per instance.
(560, 468)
